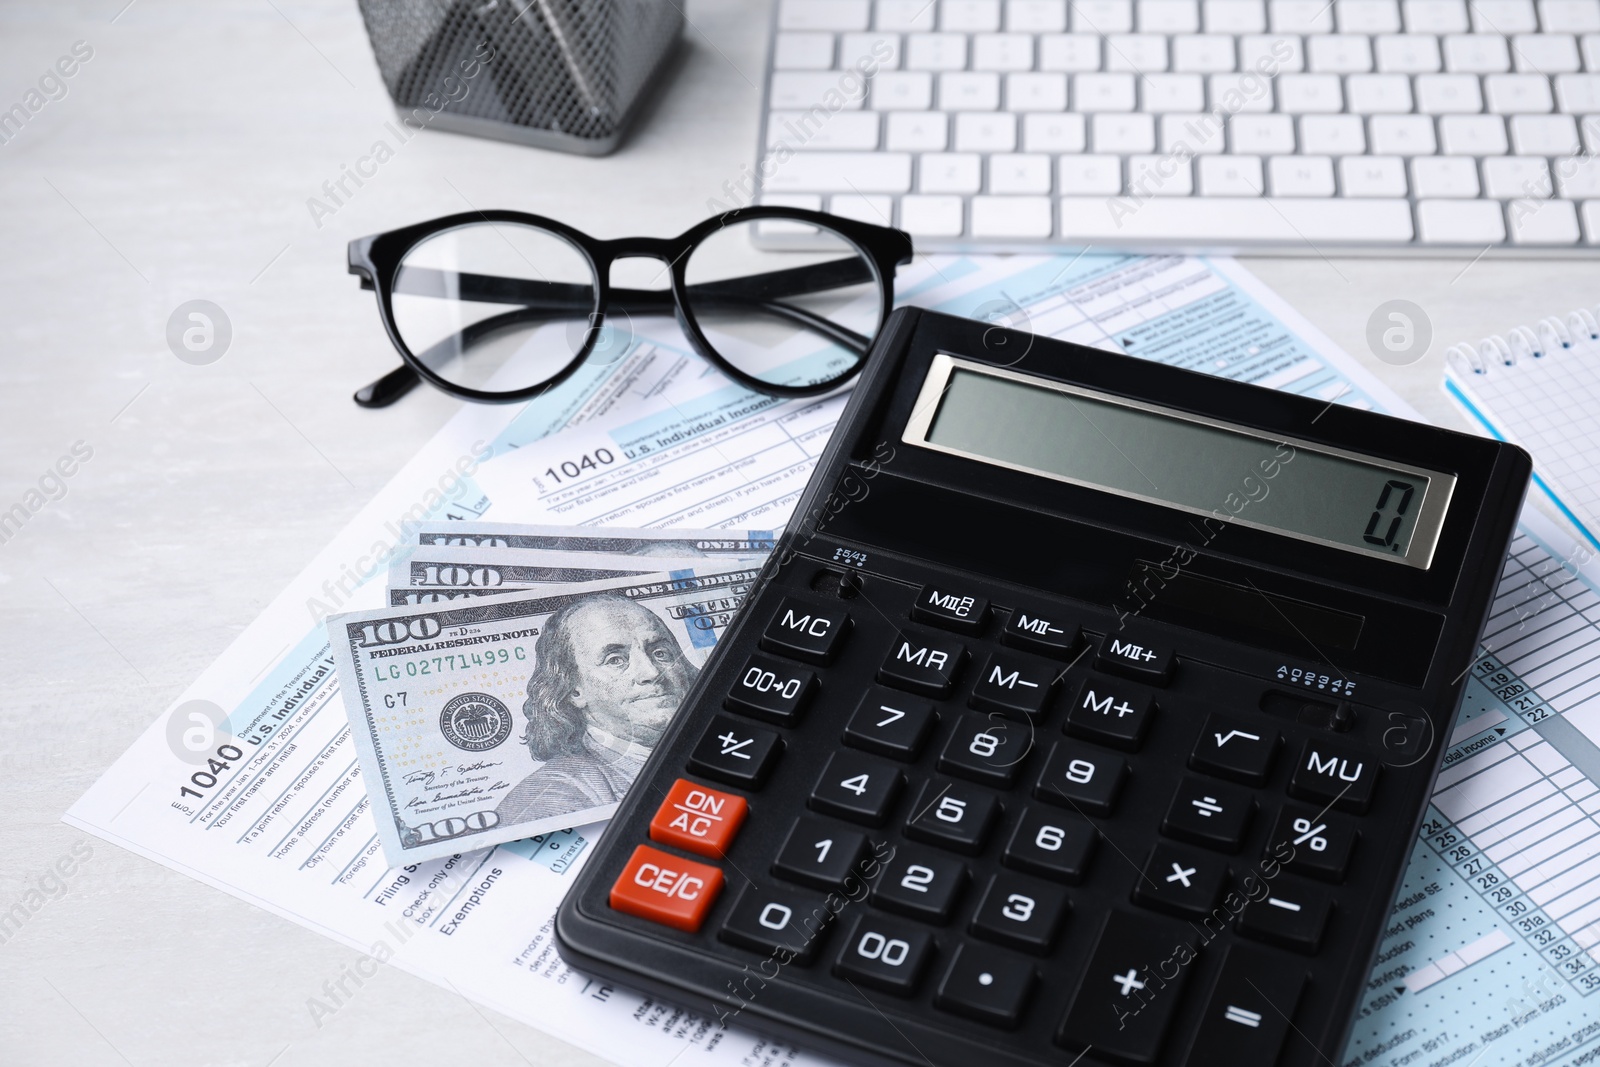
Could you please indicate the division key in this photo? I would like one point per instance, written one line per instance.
(1124, 1005)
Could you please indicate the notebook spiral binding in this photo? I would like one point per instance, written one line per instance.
(1544, 337)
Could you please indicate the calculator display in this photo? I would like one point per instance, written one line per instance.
(1233, 473)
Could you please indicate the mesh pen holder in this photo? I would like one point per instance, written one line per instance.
(562, 74)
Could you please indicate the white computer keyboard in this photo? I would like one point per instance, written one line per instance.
(1443, 126)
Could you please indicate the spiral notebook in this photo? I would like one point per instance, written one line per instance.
(1539, 386)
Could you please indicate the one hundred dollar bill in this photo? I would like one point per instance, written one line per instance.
(498, 718)
(633, 542)
(430, 575)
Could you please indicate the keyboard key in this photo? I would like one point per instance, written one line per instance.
(906, 90)
(986, 985)
(1102, 92)
(1020, 913)
(1503, 16)
(1378, 94)
(1203, 53)
(1135, 657)
(802, 51)
(1102, 16)
(1012, 173)
(840, 172)
(903, 16)
(1181, 881)
(1444, 176)
(1139, 53)
(799, 90)
(820, 854)
(953, 816)
(1230, 176)
(1036, 16)
(977, 131)
(1011, 216)
(771, 690)
(1367, 16)
(1271, 52)
(823, 15)
(1168, 16)
(1051, 846)
(1160, 176)
(1309, 94)
(1014, 685)
(1110, 711)
(969, 16)
(950, 609)
(735, 752)
(858, 130)
(986, 749)
(911, 131)
(808, 631)
(1122, 1009)
(1336, 774)
(1448, 94)
(1509, 177)
(1208, 814)
(931, 216)
(1300, 16)
(1043, 92)
(1474, 222)
(885, 954)
(1068, 52)
(1231, 748)
(949, 172)
(1569, 16)
(666, 889)
(1300, 176)
(1235, 16)
(1473, 135)
(1292, 917)
(890, 724)
(1248, 1015)
(936, 51)
(1240, 219)
(1435, 16)
(1002, 52)
(1047, 632)
(1544, 135)
(1401, 135)
(921, 883)
(1082, 777)
(1053, 132)
(776, 922)
(856, 787)
(1407, 53)
(697, 818)
(1543, 222)
(1261, 134)
(969, 91)
(868, 50)
(1332, 135)
(1486, 53)
(1336, 53)
(1248, 90)
(1512, 94)
(1087, 175)
(922, 664)
(1321, 843)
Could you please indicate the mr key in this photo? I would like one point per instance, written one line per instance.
(949, 792)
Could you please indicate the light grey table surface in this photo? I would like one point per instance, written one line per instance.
(178, 165)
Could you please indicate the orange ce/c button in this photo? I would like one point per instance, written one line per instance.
(665, 889)
(698, 819)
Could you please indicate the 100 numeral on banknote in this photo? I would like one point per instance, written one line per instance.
(500, 718)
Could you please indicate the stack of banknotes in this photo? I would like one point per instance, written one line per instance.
(520, 675)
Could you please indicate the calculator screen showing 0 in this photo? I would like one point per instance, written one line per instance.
(938, 799)
(1333, 497)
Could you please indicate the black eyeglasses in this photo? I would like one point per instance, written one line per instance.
(500, 306)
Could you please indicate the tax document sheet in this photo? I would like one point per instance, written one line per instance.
(286, 823)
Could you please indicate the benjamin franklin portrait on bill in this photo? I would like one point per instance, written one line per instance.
(608, 677)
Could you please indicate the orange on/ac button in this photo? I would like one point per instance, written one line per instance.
(665, 889)
(698, 819)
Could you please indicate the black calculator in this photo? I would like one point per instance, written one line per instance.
(1085, 714)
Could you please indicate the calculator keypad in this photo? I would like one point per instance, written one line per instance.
(978, 772)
